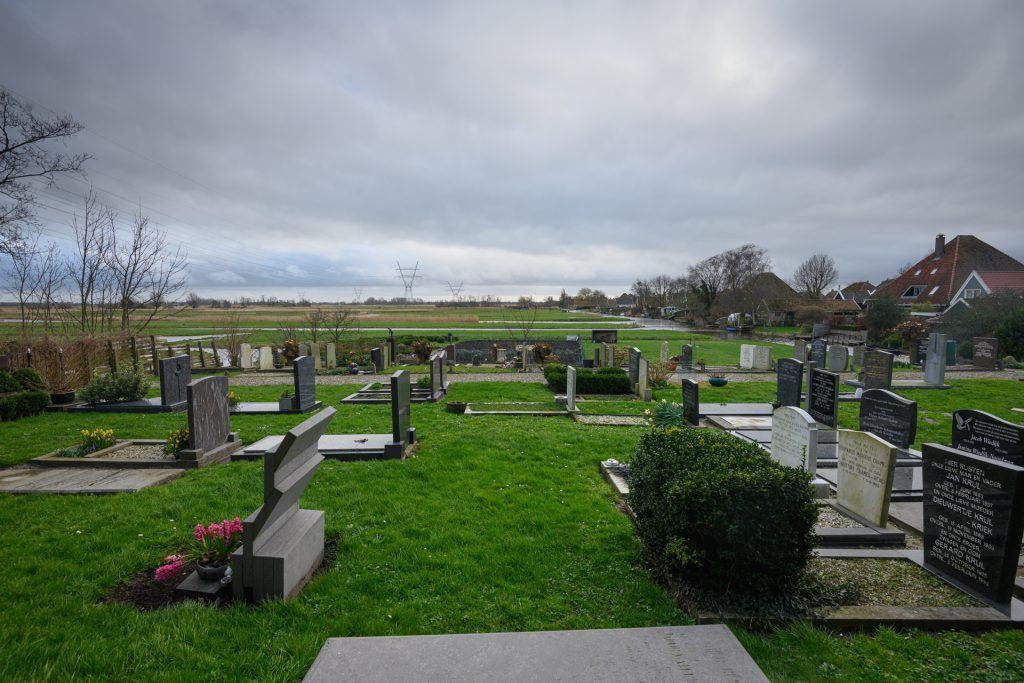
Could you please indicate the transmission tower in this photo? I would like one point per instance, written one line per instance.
(409, 277)
(357, 294)
(456, 289)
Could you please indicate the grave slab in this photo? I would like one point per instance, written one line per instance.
(699, 653)
(738, 409)
(73, 480)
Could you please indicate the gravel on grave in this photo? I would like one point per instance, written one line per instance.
(830, 518)
(618, 420)
(138, 452)
(890, 582)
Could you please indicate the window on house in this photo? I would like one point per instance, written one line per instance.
(934, 289)
(913, 291)
(917, 272)
(972, 293)
(934, 270)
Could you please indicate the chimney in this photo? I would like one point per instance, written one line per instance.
(940, 245)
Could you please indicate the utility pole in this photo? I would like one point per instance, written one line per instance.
(456, 289)
(409, 277)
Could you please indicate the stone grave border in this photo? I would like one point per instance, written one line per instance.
(368, 395)
(274, 407)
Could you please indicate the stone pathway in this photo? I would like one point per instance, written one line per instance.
(83, 479)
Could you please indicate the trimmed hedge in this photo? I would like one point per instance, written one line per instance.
(116, 387)
(29, 379)
(7, 383)
(589, 381)
(718, 512)
(23, 404)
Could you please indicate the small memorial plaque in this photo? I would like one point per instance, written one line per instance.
(973, 521)
(980, 433)
(823, 396)
(889, 416)
(790, 381)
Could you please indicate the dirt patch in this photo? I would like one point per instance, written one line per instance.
(145, 593)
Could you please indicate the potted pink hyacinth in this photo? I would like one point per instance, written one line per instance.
(211, 551)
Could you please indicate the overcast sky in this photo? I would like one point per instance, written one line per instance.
(521, 147)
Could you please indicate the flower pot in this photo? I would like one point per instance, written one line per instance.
(62, 398)
(456, 407)
(211, 572)
(718, 381)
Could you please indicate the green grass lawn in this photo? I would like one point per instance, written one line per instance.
(498, 524)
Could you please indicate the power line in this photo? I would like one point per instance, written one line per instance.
(455, 288)
(409, 277)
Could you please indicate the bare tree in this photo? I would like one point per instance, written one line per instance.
(815, 275)
(340, 322)
(706, 280)
(316, 319)
(22, 276)
(519, 323)
(146, 273)
(87, 268)
(25, 154)
(192, 300)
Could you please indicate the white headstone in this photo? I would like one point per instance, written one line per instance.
(664, 352)
(245, 356)
(266, 358)
(314, 350)
(642, 391)
(935, 363)
(762, 357)
(332, 355)
(746, 356)
(794, 438)
(570, 389)
(865, 468)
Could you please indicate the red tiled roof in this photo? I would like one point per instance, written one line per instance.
(858, 287)
(1003, 280)
(940, 277)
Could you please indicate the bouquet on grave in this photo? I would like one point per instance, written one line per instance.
(212, 547)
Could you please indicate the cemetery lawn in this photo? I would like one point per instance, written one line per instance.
(498, 524)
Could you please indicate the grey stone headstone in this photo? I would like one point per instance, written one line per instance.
(746, 356)
(634, 366)
(762, 358)
(303, 349)
(281, 543)
(209, 418)
(819, 351)
(935, 363)
(332, 355)
(986, 352)
(857, 362)
(820, 330)
(437, 372)
(877, 369)
(823, 397)
(314, 352)
(973, 521)
(691, 402)
(800, 350)
(245, 356)
(865, 467)
(838, 358)
(980, 433)
(789, 388)
(304, 376)
(570, 389)
(266, 358)
(175, 376)
(642, 377)
(889, 416)
(401, 406)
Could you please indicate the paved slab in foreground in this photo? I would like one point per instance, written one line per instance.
(83, 480)
(671, 653)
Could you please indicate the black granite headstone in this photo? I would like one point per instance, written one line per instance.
(604, 336)
(305, 383)
(790, 381)
(889, 416)
(691, 402)
(209, 419)
(973, 521)
(819, 351)
(175, 376)
(922, 350)
(401, 402)
(823, 396)
(634, 365)
(980, 433)
(377, 358)
(877, 369)
(986, 350)
(686, 357)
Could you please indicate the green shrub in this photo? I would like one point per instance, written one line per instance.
(29, 379)
(23, 404)
(116, 387)
(667, 414)
(588, 381)
(423, 382)
(718, 512)
(7, 383)
(35, 402)
(1010, 334)
(965, 350)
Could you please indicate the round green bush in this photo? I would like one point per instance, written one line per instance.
(7, 383)
(1010, 334)
(965, 350)
(29, 379)
(116, 387)
(720, 513)
(35, 402)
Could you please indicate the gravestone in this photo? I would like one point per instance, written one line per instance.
(819, 351)
(691, 402)
(209, 419)
(686, 357)
(800, 350)
(823, 396)
(437, 373)
(175, 376)
(245, 356)
(476, 360)
(762, 358)
(604, 336)
(973, 521)
(402, 435)
(501, 355)
(305, 383)
(642, 376)
(820, 330)
(664, 352)
(392, 356)
(314, 351)
(935, 363)
(303, 349)
(889, 416)
(332, 355)
(838, 358)
(389, 357)
(986, 351)
(877, 369)
(950, 352)
(857, 361)
(266, 358)
(794, 438)
(282, 544)
(980, 433)
(789, 385)
(570, 389)
(634, 367)
(865, 468)
(377, 358)
(746, 356)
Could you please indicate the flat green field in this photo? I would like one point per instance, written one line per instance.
(498, 524)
